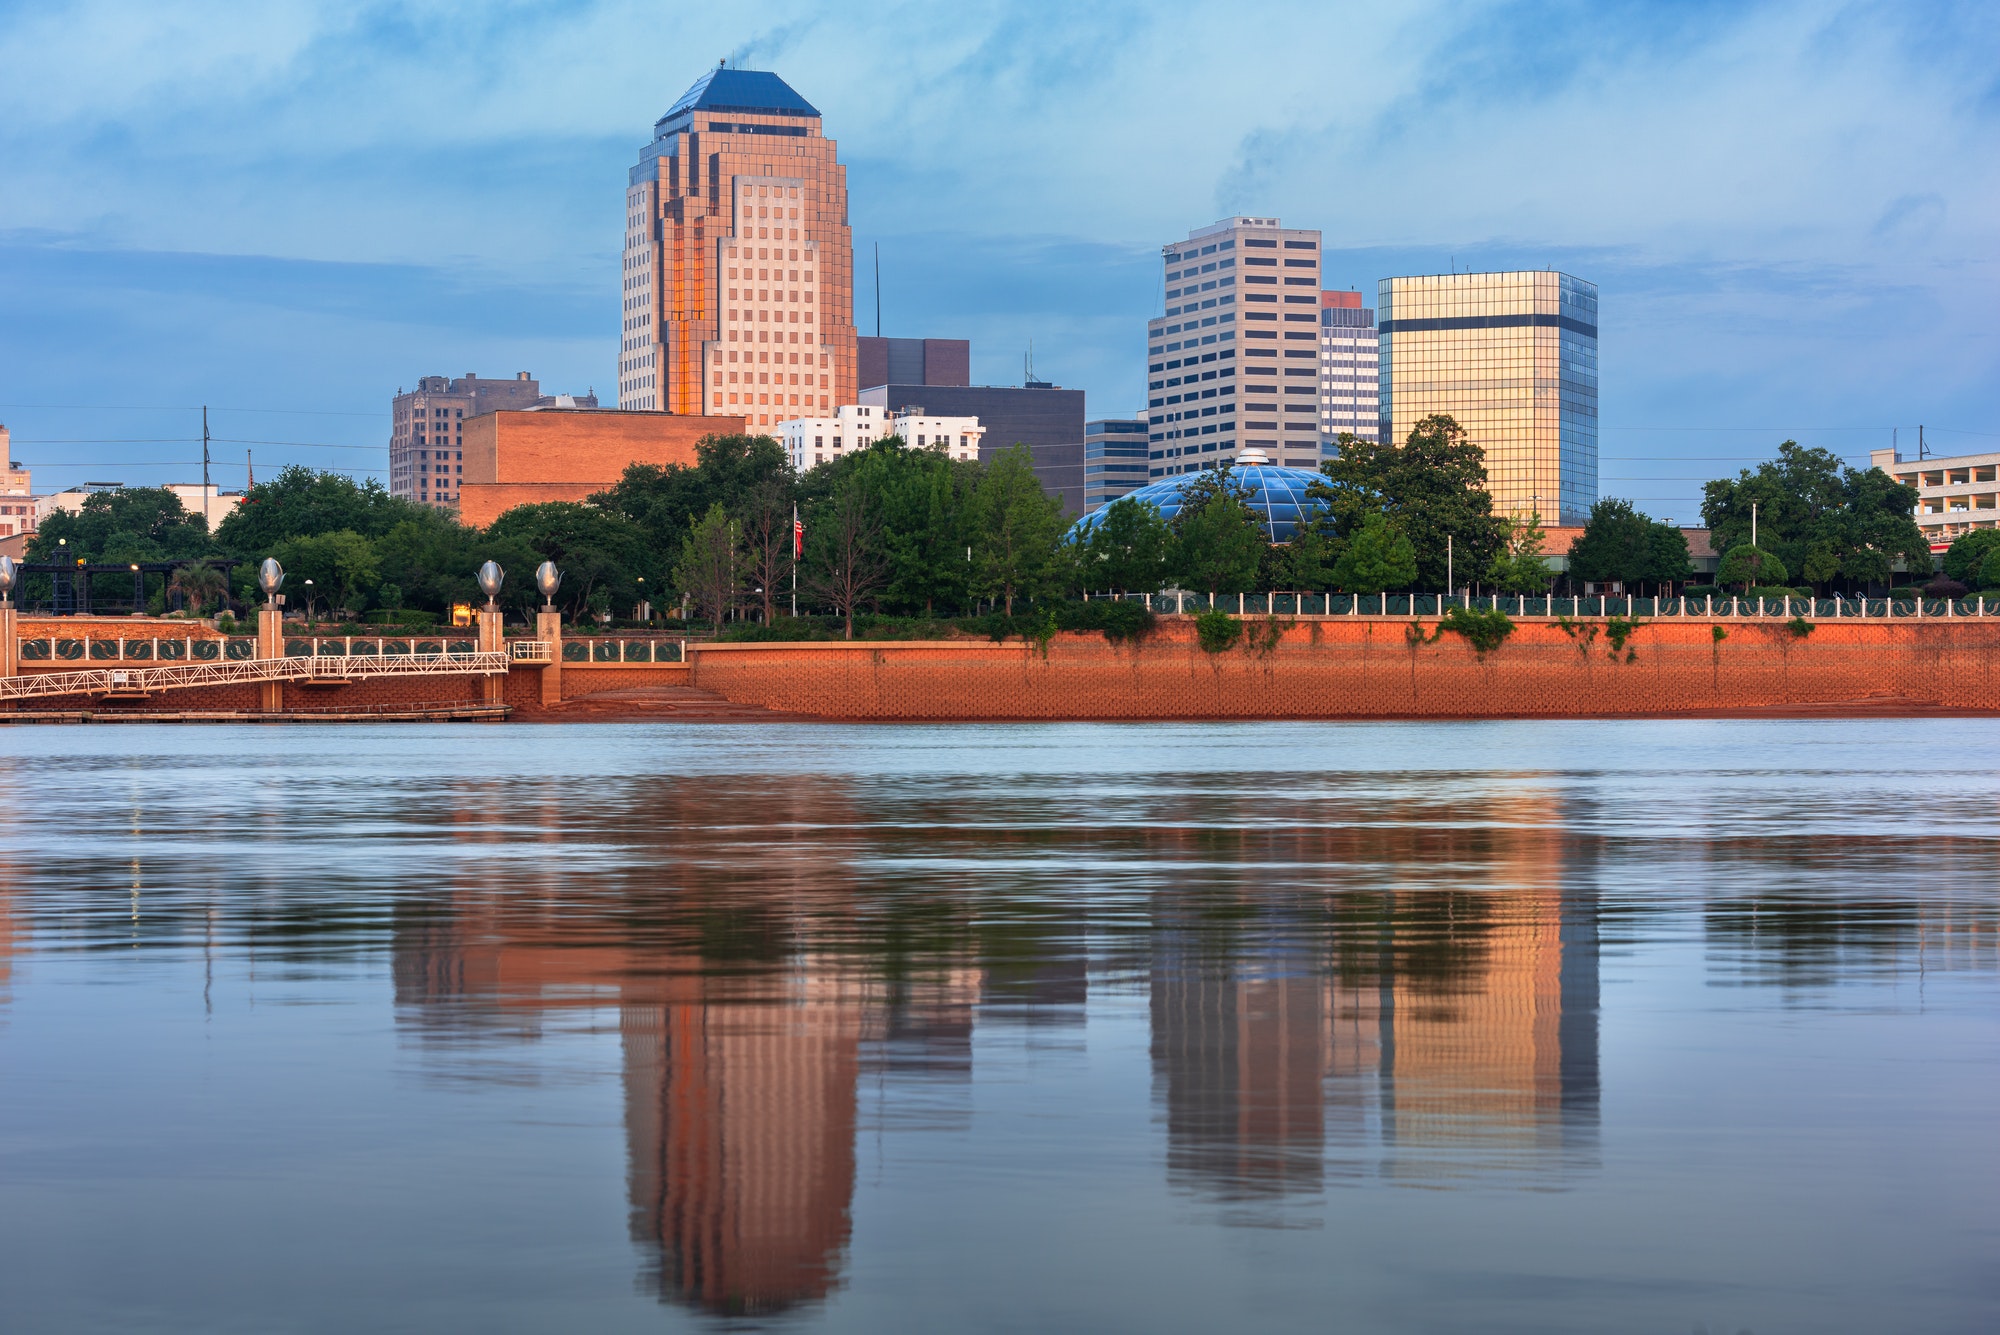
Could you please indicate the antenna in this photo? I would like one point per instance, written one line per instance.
(249, 471)
(1920, 444)
(878, 289)
(204, 464)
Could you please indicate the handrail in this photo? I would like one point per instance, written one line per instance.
(249, 670)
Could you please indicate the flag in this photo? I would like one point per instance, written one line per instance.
(798, 535)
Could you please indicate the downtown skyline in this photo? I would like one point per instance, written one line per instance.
(1821, 276)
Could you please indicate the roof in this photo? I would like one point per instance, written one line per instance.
(1277, 496)
(751, 92)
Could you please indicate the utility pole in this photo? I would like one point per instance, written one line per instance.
(878, 289)
(205, 517)
(1753, 523)
(1920, 443)
(1450, 584)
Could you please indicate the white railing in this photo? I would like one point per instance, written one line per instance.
(531, 651)
(326, 667)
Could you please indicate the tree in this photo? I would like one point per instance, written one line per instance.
(432, 561)
(1818, 516)
(341, 565)
(134, 524)
(1378, 557)
(665, 500)
(844, 539)
(1989, 569)
(1218, 541)
(1433, 487)
(1127, 548)
(199, 584)
(924, 500)
(710, 570)
(768, 540)
(1749, 566)
(1015, 526)
(1520, 565)
(302, 502)
(596, 548)
(1618, 543)
(1966, 556)
(1308, 561)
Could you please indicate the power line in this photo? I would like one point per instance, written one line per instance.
(188, 408)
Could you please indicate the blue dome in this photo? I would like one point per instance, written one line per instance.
(1278, 495)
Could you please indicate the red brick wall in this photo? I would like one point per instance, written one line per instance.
(522, 458)
(1337, 669)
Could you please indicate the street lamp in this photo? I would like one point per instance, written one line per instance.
(309, 604)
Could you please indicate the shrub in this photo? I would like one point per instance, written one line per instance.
(1718, 634)
(1123, 620)
(401, 617)
(1943, 587)
(1484, 630)
(1217, 631)
(1799, 627)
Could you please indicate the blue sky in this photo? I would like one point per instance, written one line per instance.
(289, 210)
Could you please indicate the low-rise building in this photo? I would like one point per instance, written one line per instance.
(533, 455)
(811, 441)
(426, 441)
(1955, 495)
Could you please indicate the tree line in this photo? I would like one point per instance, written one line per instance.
(912, 532)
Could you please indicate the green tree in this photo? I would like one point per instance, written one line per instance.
(710, 571)
(1818, 516)
(1015, 527)
(596, 548)
(1520, 565)
(1378, 558)
(924, 500)
(665, 500)
(1433, 487)
(1127, 548)
(200, 584)
(1750, 566)
(1966, 556)
(768, 543)
(847, 565)
(341, 566)
(432, 561)
(1308, 561)
(134, 524)
(301, 502)
(1618, 543)
(1218, 540)
(1988, 576)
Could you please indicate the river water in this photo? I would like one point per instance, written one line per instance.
(1633, 1026)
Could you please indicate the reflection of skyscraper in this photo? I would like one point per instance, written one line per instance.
(740, 1123)
(1238, 1064)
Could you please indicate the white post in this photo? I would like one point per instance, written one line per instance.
(1711, 605)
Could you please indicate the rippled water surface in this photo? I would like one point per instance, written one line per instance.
(1647, 1026)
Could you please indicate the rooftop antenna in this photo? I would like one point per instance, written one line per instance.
(1920, 444)
(249, 471)
(204, 464)
(878, 289)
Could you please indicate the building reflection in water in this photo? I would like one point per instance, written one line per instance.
(1452, 1032)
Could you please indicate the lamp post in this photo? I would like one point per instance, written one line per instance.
(548, 629)
(138, 590)
(270, 629)
(309, 605)
(492, 638)
(10, 648)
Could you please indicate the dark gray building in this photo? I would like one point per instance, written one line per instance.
(912, 361)
(1048, 420)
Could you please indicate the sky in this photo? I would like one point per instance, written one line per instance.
(290, 210)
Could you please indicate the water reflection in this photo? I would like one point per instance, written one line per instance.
(1366, 981)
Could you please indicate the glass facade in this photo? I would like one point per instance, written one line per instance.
(1511, 356)
(1114, 460)
(1278, 495)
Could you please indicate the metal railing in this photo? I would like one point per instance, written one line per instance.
(1404, 606)
(317, 667)
(531, 651)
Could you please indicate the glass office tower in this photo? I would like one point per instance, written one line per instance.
(1513, 357)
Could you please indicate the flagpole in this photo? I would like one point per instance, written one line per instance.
(797, 541)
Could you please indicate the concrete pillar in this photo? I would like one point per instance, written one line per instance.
(271, 644)
(10, 640)
(492, 640)
(548, 629)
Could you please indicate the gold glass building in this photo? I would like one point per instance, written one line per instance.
(1513, 357)
(738, 287)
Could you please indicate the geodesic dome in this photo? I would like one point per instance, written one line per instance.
(1278, 495)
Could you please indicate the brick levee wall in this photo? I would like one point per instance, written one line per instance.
(1372, 669)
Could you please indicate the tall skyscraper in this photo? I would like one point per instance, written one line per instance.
(1348, 401)
(1511, 356)
(1234, 362)
(739, 265)
(1114, 459)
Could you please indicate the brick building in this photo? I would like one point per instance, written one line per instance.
(426, 442)
(531, 456)
(739, 265)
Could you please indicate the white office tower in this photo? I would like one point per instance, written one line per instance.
(1233, 364)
